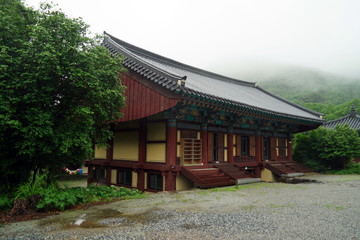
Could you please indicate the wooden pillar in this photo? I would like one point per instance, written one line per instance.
(170, 184)
(289, 149)
(171, 143)
(230, 145)
(204, 144)
(171, 147)
(141, 180)
(109, 157)
(258, 148)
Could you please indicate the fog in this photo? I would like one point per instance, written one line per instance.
(235, 37)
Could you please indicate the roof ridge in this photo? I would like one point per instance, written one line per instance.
(342, 118)
(133, 56)
(178, 64)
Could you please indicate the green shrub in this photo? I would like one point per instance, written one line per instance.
(54, 198)
(6, 202)
(350, 169)
(324, 149)
(29, 188)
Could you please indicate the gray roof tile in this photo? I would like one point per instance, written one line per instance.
(167, 72)
(353, 119)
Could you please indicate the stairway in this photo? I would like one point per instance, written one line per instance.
(298, 167)
(233, 171)
(287, 169)
(207, 177)
(217, 175)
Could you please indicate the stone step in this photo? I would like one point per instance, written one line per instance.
(248, 180)
(291, 175)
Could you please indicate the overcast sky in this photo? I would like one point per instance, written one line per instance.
(321, 34)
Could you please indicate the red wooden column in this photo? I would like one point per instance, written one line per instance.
(258, 154)
(258, 148)
(142, 154)
(204, 140)
(109, 157)
(170, 154)
(230, 145)
(289, 149)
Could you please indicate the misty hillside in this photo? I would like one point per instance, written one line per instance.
(299, 84)
(326, 93)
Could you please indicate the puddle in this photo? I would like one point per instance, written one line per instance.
(90, 219)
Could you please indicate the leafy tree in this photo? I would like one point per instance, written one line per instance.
(59, 91)
(322, 148)
(305, 150)
(338, 146)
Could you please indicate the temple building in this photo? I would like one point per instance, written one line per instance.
(352, 119)
(186, 127)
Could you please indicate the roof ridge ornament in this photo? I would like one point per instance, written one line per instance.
(352, 111)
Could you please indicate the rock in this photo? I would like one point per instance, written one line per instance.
(19, 207)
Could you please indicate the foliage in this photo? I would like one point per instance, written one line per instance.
(6, 202)
(29, 188)
(350, 169)
(54, 198)
(323, 149)
(333, 112)
(304, 150)
(324, 92)
(59, 91)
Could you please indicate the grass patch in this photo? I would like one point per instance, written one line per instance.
(273, 205)
(249, 207)
(329, 206)
(243, 187)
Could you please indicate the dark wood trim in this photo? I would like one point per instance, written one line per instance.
(155, 142)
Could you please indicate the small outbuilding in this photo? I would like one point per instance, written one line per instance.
(352, 119)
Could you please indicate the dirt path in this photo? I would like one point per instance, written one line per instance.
(328, 210)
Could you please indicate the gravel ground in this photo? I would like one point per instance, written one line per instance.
(327, 210)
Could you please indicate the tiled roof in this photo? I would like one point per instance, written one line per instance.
(185, 79)
(353, 119)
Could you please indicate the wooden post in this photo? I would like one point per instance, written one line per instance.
(171, 143)
(171, 147)
(170, 184)
(230, 145)
(141, 180)
(258, 148)
(204, 140)
(258, 154)
(289, 146)
(109, 157)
